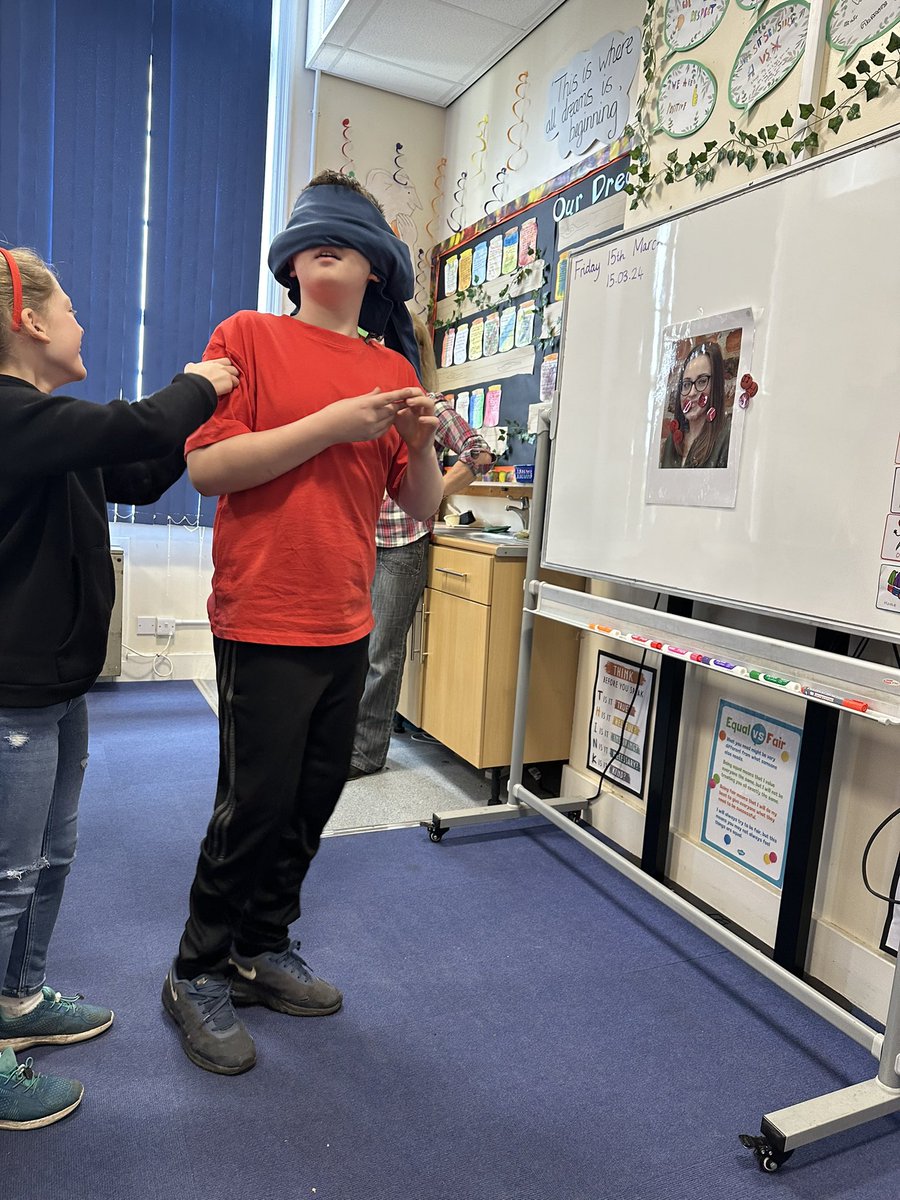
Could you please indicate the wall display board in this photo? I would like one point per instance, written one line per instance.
(499, 288)
(807, 531)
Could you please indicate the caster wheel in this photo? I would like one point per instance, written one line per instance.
(574, 816)
(768, 1159)
(435, 833)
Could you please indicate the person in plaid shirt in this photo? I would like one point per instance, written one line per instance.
(401, 567)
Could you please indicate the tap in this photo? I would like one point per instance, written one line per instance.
(522, 513)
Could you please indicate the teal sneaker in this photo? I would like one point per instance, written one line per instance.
(29, 1100)
(56, 1021)
(283, 982)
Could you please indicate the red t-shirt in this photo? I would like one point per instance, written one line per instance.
(294, 558)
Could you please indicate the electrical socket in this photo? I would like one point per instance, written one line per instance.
(165, 626)
(147, 625)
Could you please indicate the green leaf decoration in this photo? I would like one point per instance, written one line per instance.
(835, 123)
(873, 89)
(781, 157)
(828, 102)
(853, 113)
(772, 131)
(732, 128)
(768, 158)
(806, 111)
(863, 67)
(811, 141)
(787, 121)
(893, 43)
(849, 81)
(877, 58)
(797, 148)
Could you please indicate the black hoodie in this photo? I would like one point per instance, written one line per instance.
(61, 460)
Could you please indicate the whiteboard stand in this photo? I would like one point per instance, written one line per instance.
(439, 823)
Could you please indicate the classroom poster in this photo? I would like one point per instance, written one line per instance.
(750, 789)
(623, 695)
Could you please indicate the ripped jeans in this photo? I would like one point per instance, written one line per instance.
(43, 753)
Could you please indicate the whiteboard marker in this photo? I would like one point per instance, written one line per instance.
(636, 637)
(675, 650)
(656, 646)
(726, 666)
(695, 657)
(756, 673)
(826, 696)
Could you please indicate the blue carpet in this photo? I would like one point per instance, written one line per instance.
(520, 1022)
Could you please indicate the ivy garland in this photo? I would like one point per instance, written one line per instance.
(771, 144)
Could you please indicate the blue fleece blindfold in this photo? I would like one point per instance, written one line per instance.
(331, 215)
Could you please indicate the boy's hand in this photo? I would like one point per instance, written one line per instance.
(416, 422)
(221, 373)
(364, 418)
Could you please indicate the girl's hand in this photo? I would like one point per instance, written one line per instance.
(221, 373)
(416, 422)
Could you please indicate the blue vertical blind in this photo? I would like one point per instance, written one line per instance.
(207, 164)
(74, 81)
(73, 100)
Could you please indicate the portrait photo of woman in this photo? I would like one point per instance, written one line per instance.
(698, 420)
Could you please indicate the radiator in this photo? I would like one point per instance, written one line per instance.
(112, 667)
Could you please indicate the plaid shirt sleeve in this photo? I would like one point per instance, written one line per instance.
(453, 433)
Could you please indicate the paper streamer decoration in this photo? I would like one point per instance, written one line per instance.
(477, 159)
(436, 199)
(769, 53)
(498, 191)
(346, 149)
(854, 23)
(515, 135)
(455, 220)
(423, 273)
(400, 176)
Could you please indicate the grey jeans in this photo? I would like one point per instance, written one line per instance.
(400, 574)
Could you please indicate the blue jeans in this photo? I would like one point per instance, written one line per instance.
(43, 753)
(400, 574)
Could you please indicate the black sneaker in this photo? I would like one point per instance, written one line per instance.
(211, 1034)
(283, 982)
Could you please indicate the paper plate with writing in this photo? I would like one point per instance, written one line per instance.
(770, 51)
(855, 23)
(687, 23)
(687, 96)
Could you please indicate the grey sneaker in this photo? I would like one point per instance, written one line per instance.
(29, 1100)
(211, 1034)
(56, 1021)
(283, 982)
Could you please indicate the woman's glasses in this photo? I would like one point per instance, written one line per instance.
(701, 383)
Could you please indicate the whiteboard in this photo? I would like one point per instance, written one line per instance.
(811, 526)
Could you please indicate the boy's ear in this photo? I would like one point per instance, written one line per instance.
(33, 325)
(373, 278)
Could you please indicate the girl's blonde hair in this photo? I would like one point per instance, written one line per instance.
(428, 367)
(37, 288)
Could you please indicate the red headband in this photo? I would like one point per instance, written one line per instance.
(16, 287)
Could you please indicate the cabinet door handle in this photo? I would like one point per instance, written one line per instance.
(457, 574)
(423, 653)
(418, 643)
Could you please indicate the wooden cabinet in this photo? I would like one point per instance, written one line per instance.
(473, 619)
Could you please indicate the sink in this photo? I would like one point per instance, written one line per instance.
(479, 535)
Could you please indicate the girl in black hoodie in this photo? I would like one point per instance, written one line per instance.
(61, 460)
